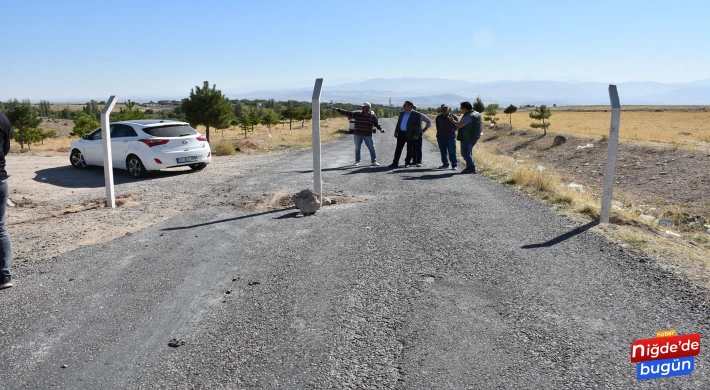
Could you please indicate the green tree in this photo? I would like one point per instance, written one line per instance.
(490, 113)
(238, 109)
(48, 134)
(305, 114)
(269, 118)
(245, 123)
(92, 109)
(65, 113)
(253, 118)
(541, 113)
(510, 110)
(11, 104)
(23, 117)
(31, 136)
(478, 105)
(128, 113)
(84, 125)
(44, 108)
(207, 106)
(290, 113)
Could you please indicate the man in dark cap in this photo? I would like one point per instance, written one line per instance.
(446, 137)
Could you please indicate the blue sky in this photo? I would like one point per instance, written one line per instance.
(64, 50)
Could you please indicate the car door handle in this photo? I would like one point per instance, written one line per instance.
(125, 142)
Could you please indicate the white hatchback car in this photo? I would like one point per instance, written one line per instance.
(145, 145)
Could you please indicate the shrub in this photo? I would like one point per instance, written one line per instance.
(224, 148)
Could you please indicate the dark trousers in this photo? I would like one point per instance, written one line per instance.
(447, 148)
(414, 152)
(401, 141)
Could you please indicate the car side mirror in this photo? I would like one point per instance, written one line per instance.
(85, 136)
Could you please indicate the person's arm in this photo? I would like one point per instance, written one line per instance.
(6, 136)
(461, 124)
(426, 120)
(377, 124)
(347, 113)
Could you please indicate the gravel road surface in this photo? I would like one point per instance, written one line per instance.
(436, 280)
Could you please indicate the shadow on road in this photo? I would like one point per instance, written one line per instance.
(289, 215)
(93, 177)
(368, 168)
(413, 170)
(228, 220)
(326, 169)
(563, 237)
(431, 177)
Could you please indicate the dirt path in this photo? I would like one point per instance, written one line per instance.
(59, 208)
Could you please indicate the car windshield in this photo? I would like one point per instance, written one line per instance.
(170, 131)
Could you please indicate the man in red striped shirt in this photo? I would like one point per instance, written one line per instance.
(365, 122)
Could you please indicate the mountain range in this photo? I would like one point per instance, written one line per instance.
(435, 91)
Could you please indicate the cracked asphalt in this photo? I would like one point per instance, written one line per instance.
(436, 280)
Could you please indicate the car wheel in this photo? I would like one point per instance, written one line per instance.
(198, 167)
(77, 159)
(135, 166)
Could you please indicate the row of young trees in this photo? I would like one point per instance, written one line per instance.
(207, 106)
(540, 113)
(25, 119)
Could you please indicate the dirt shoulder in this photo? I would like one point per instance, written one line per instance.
(652, 178)
(59, 208)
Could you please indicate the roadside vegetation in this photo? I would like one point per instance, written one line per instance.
(677, 232)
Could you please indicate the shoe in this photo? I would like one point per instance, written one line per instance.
(419, 165)
(444, 167)
(393, 165)
(375, 164)
(357, 164)
(406, 165)
(468, 170)
(6, 284)
(454, 167)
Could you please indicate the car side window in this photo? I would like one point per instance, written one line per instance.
(122, 131)
(96, 135)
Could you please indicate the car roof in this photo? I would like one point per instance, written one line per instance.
(151, 122)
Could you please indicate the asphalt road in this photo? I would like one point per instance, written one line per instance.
(438, 280)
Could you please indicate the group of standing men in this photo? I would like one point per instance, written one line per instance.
(409, 133)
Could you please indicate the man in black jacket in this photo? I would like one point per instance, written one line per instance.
(5, 245)
(408, 131)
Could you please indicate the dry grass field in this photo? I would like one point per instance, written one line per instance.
(672, 124)
(280, 137)
(256, 141)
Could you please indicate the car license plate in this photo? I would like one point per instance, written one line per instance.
(187, 159)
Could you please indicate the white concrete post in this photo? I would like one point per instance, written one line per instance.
(611, 154)
(108, 158)
(317, 178)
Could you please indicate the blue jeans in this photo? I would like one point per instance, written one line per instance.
(369, 142)
(467, 153)
(447, 147)
(5, 245)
